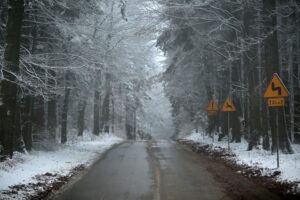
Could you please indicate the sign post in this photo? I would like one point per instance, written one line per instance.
(212, 111)
(275, 93)
(277, 137)
(228, 107)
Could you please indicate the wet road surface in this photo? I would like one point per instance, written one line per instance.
(180, 174)
(123, 173)
(158, 170)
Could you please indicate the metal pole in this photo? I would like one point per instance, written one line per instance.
(277, 136)
(213, 136)
(213, 132)
(228, 131)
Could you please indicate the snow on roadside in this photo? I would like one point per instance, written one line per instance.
(24, 167)
(289, 163)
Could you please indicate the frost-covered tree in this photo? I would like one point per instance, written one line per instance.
(217, 49)
(83, 66)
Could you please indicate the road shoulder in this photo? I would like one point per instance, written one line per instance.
(240, 181)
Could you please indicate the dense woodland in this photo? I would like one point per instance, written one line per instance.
(219, 49)
(70, 66)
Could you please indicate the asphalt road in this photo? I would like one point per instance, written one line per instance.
(159, 170)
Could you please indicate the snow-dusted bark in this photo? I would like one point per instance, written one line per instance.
(10, 114)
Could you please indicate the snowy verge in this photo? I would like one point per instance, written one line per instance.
(24, 168)
(289, 163)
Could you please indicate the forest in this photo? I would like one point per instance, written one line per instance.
(68, 66)
(220, 49)
(150, 99)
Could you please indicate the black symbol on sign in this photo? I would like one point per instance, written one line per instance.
(228, 105)
(278, 89)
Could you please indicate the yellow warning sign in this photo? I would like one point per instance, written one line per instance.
(228, 106)
(276, 88)
(212, 106)
(275, 102)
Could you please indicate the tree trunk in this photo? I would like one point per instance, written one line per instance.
(291, 89)
(106, 104)
(96, 129)
(3, 17)
(9, 86)
(39, 119)
(297, 77)
(27, 113)
(52, 121)
(251, 66)
(112, 114)
(128, 119)
(134, 122)
(272, 66)
(105, 112)
(64, 116)
(19, 141)
(81, 114)
(52, 109)
(97, 126)
(262, 106)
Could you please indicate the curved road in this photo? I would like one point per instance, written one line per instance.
(160, 170)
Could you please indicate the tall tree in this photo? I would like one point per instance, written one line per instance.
(9, 87)
(277, 119)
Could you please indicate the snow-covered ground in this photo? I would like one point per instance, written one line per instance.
(289, 163)
(24, 167)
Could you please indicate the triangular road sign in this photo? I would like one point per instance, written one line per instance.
(228, 106)
(212, 106)
(276, 88)
(212, 113)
